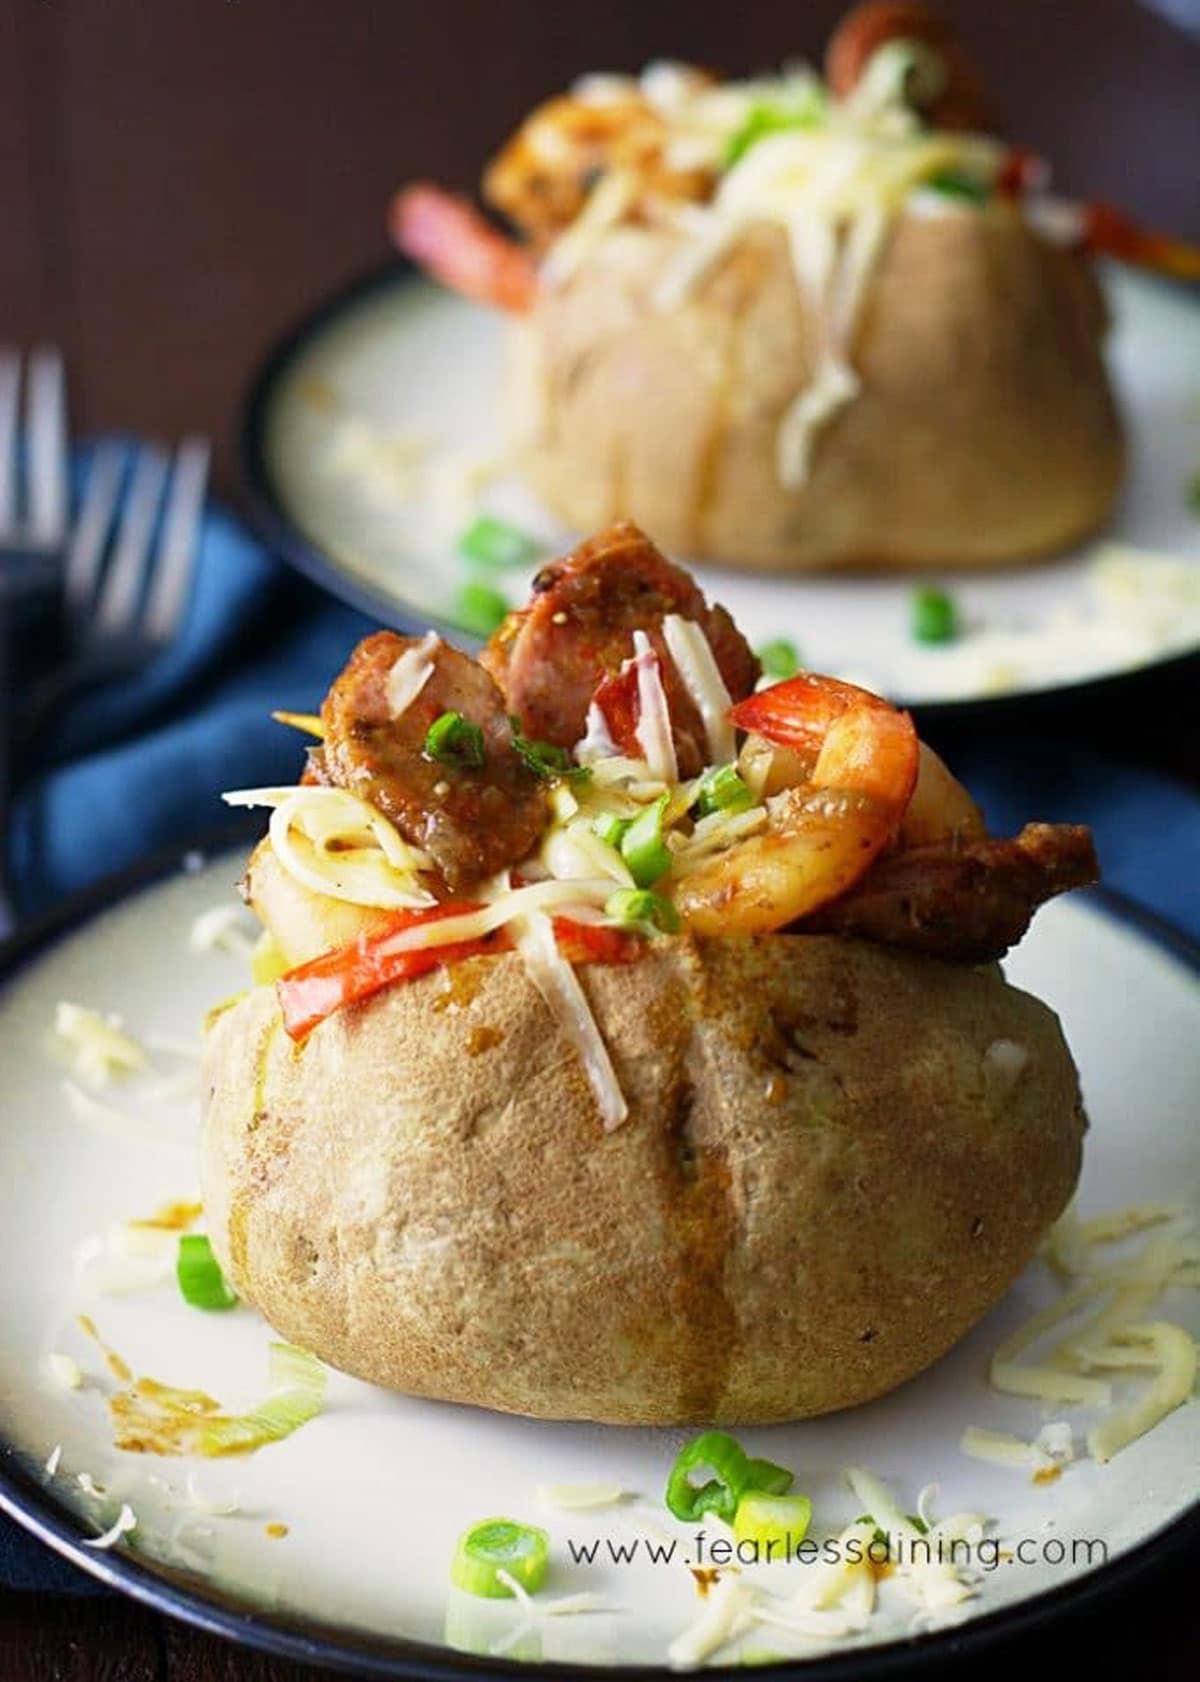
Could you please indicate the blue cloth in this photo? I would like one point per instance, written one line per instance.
(140, 766)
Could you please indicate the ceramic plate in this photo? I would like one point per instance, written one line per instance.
(374, 1492)
(372, 438)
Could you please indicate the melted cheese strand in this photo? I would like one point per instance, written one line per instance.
(1176, 1352)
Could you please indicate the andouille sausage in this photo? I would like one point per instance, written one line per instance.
(472, 821)
(550, 657)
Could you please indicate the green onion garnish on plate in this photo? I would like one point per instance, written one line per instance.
(639, 908)
(1192, 494)
(722, 790)
(722, 1455)
(479, 609)
(779, 659)
(644, 847)
(201, 1282)
(494, 543)
(957, 184)
(934, 616)
(610, 828)
(520, 1551)
(771, 1521)
(769, 1478)
(454, 740)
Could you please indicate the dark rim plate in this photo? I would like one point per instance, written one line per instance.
(191, 1598)
(275, 524)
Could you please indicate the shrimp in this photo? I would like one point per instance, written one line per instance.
(821, 836)
(457, 245)
(940, 811)
(542, 177)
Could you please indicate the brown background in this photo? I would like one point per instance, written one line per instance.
(180, 178)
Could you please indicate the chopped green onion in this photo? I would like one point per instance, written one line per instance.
(546, 760)
(770, 1479)
(494, 543)
(521, 1551)
(712, 1451)
(934, 616)
(767, 1519)
(779, 659)
(454, 740)
(610, 828)
(1193, 492)
(643, 847)
(957, 184)
(298, 1394)
(765, 119)
(479, 609)
(638, 907)
(199, 1274)
(722, 790)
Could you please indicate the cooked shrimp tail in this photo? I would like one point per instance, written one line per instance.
(457, 245)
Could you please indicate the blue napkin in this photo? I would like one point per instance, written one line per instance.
(140, 766)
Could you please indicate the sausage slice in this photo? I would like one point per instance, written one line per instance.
(550, 657)
(472, 820)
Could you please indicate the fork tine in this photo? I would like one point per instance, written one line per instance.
(46, 433)
(86, 549)
(117, 609)
(177, 552)
(10, 396)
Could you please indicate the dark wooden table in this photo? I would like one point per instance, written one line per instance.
(179, 181)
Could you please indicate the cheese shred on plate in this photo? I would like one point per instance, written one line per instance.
(1117, 1339)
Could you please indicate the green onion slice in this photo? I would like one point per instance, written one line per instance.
(639, 908)
(201, 1281)
(522, 1551)
(644, 847)
(610, 828)
(956, 184)
(764, 119)
(479, 609)
(769, 1478)
(454, 740)
(716, 1452)
(778, 1519)
(1193, 492)
(722, 790)
(934, 616)
(494, 543)
(779, 659)
(546, 760)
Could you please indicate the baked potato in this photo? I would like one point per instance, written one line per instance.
(837, 1158)
(984, 430)
(709, 1102)
(794, 324)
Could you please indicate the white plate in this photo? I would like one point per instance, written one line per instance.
(375, 1490)
(361, 423)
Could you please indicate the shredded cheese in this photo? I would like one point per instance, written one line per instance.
(701, 676)
(125, 1521)
(727, 1612)
(653, 730)
(557, 982)
(1003, 1450)
(53, 1460)
(1175, 1351)
(65, 1371)
(411, 672)
(580, 1497)
(97, 1045)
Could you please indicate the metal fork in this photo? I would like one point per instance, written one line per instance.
(128, 574)
(33, 531)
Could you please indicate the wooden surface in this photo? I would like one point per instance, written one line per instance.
(179, 181)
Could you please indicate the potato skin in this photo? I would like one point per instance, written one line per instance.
(985, 430)
(818, 1190)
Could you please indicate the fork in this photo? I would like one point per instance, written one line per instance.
(33, 530)
(120, 615)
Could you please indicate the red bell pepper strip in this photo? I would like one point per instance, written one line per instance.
(313, 991)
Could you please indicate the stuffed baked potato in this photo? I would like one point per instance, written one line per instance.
(628, 1043)
(793, 323)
